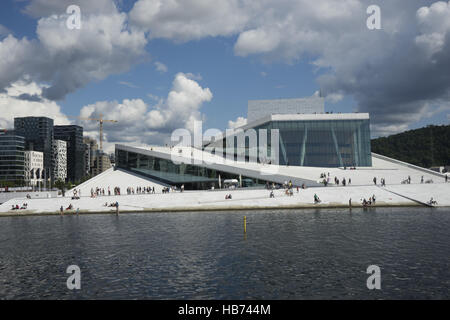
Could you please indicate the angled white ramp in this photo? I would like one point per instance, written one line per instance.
(116, 178)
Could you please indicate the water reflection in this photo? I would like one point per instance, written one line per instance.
(292, 254)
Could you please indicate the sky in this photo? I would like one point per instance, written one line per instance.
(159, 65)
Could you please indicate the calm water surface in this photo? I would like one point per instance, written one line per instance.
(295, 254)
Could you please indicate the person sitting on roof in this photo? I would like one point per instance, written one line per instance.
(316, 199)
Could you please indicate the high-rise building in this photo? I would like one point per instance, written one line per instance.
(100, 163)
(92, 146)
(34, 168)
(38, 134)
(73, 135)
(12, 162)
(59, 160)
(87, 159)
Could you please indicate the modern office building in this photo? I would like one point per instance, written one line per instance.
(38, 134)
(12, 161)
(100, 163)
(92, 150)
(87, 159)
(34, 168)
(59, 160)
(73, 135)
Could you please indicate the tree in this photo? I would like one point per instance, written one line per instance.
(61, 185)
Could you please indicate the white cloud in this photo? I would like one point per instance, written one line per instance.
(4, 30)
(128, 84)
(11, 105)
(161, 67)
(69, 59)
(434, 24)
(239, 122)
(45, 8)
(332, 97)
(182, 105)
(184, 20)
(153, 97)
(140, 124)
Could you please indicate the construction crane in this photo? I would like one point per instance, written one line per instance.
(100, 120)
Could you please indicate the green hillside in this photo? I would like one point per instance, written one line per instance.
(425, 147)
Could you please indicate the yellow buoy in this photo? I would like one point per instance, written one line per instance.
(245, 224)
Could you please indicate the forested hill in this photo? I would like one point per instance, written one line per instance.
(425, 147)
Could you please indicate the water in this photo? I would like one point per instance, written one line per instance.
(294, 254)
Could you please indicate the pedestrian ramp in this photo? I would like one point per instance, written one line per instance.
(422, 193)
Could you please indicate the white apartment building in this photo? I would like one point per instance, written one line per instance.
(59, 160)
(34, 168)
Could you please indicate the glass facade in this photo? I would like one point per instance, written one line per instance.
(193, 177)
(312, 143)
(38, 133)
(12, 158)
(73, 135)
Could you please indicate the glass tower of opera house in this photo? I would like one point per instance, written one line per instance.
(283, 140)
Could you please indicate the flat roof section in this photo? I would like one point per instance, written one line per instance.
(261, 108)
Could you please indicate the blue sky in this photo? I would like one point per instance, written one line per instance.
(223, 54)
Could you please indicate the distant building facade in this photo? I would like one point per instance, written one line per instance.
(100, 163)
(92, 146)
(59, 160)
(73, 135)
(87, 159)
(12, 161)
(34, 168)
(260, 108)
(38, 134)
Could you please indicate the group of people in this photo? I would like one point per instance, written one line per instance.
(131, 190)
(344, 181)
(70, 207)
(326, 180)
(141, 190)
(112, 204)
(369, 202)
(432, 202)
(408, 180)
(382, 181)
(166, 190)
(23, 207)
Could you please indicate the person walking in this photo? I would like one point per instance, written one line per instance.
(61, 210)
(117, 207)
